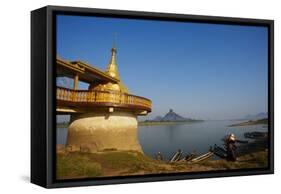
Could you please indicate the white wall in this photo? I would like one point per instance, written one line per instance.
(15, 85)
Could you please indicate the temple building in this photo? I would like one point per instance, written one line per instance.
(104, 117)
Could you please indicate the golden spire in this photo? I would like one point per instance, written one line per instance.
(112, 69)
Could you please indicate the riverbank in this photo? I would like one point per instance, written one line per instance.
(251, 122)
(153, 123)
(123, 163)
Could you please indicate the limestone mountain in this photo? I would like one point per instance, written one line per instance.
(171, 116)
(158, 118)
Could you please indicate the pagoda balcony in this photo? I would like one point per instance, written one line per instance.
(71, 101)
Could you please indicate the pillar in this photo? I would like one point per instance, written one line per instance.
(99, 131)
(75, 83)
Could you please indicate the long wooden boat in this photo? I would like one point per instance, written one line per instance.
(220, 152)
(202, 157)
(176, 157)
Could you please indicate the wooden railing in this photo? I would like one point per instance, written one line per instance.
(94, 96)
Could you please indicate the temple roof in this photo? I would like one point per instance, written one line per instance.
(102, 80)
(87, 73)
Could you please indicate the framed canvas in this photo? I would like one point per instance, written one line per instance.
(125, 96)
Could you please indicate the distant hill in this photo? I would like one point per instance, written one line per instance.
(171, 116)
(260, 115)
(251, 122)
(158, 118)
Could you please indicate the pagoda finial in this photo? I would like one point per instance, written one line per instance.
(112, 69)
(114, 40)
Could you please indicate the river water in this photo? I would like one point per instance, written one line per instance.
(188, 137)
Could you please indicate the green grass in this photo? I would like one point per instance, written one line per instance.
(76, 165)
(121, 159)
(129, 162)
(122, 163)
(255, 160)
(107, 163)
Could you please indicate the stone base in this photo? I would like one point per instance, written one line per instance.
(92, 132)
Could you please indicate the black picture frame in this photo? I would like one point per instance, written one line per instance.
(43, 100)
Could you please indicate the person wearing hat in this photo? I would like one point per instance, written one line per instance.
(159, 156)
(231, 147)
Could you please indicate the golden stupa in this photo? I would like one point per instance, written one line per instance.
(111, 70)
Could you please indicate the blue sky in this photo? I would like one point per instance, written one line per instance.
(206, 71)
